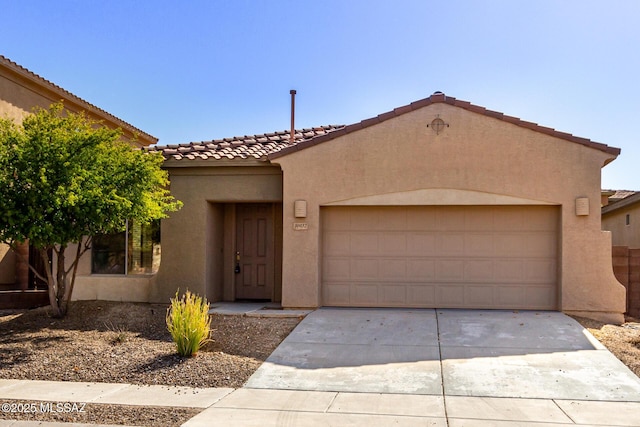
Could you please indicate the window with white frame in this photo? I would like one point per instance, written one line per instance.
(133, 251)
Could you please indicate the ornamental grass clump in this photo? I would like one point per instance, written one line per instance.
(189, 323)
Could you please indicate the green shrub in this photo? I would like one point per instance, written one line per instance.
(189, 323)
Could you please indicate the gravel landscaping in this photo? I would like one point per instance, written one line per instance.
(113, 342)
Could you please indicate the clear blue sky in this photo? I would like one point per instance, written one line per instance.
(198, 70)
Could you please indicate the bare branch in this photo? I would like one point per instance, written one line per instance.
(82, 248)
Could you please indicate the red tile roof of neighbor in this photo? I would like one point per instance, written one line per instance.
(68, 96)
(617, 195)
(277, 144)
(620, 199)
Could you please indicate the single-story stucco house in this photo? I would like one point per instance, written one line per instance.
(439, 203)
(21, 91)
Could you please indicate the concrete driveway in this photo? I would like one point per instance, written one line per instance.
(435, 367)
(486, 353)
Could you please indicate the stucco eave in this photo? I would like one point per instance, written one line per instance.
(437, 196)
(190, 163)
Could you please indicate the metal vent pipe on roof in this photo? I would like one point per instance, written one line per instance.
(293, 115)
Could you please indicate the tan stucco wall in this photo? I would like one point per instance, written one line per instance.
(113, 288)
(622, 234)
(484, 160)
(18, 100)
(193, 238)
(109, 287)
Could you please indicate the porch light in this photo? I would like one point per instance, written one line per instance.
(582, 206)
(300, 208)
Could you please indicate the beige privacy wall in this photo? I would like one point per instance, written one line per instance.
(476, 160)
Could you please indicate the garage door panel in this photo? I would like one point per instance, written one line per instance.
(540, 270)
(511, 270)
(423, 243)
(336, 219)
(509, 220)
(511, 296)
(479, 244)
(337, 269)
(336, 293)
(510, 245)
(393, 295)
(365, 294)
(479, 270)
(392, 219)
(450, 219)
(451, 296)
(420, 219)
(449, 270)
(420, 268)
(538, 219)
(393, 269)
(393, 244)
(540, 297)
(481, 295)
(365, 220)
(421, 295)
(480, 220)
(364, 269)
(451, 244)
(451, 256)
(336, 243)
(539, 245)
(364, 243)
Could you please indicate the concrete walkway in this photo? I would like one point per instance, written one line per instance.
(354, 367)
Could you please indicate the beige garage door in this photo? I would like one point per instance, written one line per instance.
(501, 257)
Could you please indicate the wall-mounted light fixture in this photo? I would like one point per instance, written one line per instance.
(300, 209)
(582, 206)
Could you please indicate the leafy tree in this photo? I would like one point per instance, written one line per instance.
(65, 178)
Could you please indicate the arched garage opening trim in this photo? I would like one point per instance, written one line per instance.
(437, 196)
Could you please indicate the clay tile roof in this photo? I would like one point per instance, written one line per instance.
(241, 147)
(71, 99)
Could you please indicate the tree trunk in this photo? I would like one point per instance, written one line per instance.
(59, 292)
(51, 283)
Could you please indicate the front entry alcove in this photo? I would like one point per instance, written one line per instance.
(244, 252)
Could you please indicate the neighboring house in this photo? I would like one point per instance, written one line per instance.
(621, 216)
(20, 91)
(440, 203)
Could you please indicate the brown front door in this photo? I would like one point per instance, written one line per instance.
(255, 251)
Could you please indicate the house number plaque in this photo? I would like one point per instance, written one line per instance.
(299, 226)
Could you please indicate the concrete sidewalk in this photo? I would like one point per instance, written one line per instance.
(271, 408)
(27, 392)
(262, 407)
